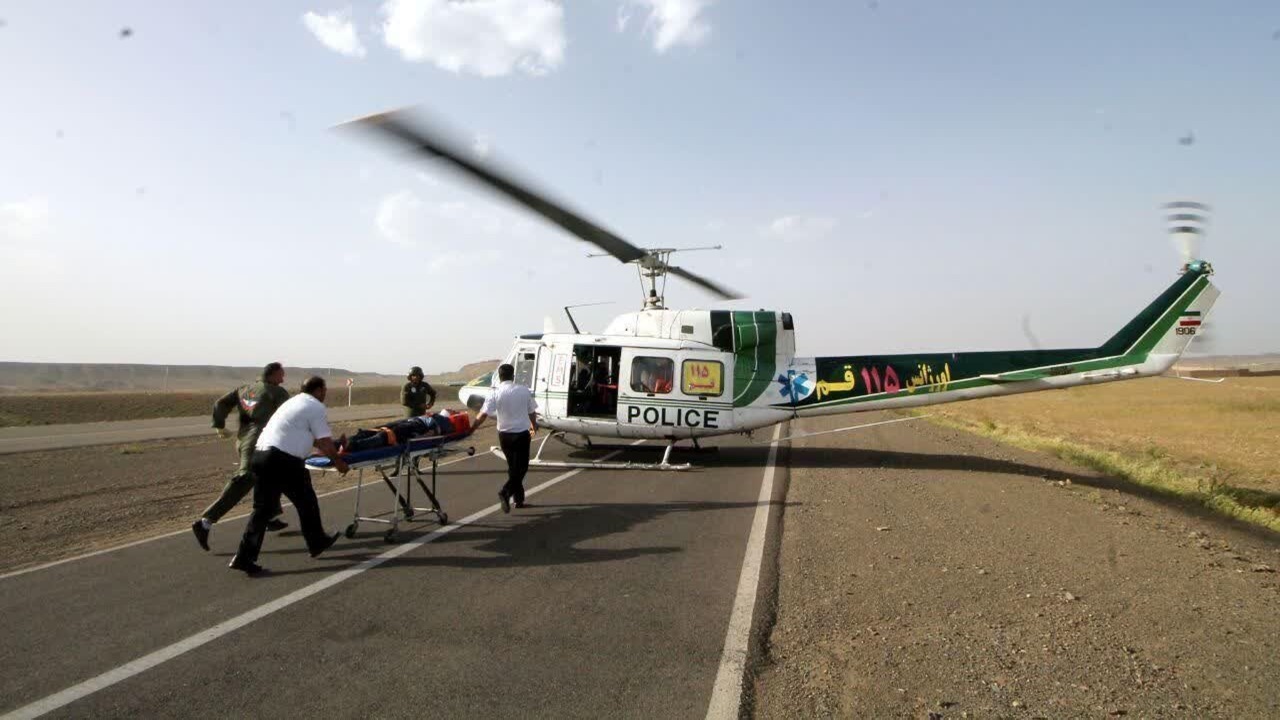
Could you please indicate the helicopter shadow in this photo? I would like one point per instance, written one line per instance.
(548, 535)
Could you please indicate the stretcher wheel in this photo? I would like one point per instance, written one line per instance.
(471, 451)
(389, 536)
(444, 518)
(350, 532)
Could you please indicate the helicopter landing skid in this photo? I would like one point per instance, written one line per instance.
(537, 461)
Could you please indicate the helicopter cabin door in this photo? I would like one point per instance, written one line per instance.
(559, 382)
(593, 378)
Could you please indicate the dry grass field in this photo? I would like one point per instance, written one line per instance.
(58, 408)
(57, 393)
(1217, 443)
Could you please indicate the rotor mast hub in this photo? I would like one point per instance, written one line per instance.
(653, 268)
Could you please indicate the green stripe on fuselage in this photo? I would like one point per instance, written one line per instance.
(755, 347)
(915, 374)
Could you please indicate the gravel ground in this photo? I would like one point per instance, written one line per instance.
(929, 573)
(60, 503)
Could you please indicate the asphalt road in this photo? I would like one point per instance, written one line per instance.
(609, 597)
(55, 437)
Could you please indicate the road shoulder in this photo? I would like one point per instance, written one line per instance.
(927, 572)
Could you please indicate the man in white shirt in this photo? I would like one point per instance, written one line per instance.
(279, 458)
(517, 422)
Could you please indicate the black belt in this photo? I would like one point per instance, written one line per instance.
(273, 450)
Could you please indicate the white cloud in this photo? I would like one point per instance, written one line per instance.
(24, 221)
(799, 228)
(24, 228)
(481, 146)
(624, 17)
(335, 31)
(399, 218)
(446, 232)
(672, 22)
(489, 38)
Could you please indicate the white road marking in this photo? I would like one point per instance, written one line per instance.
(175, 533)
(798, 436)
(146, 662)
(726, 694)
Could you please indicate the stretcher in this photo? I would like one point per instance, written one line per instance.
(399, 462)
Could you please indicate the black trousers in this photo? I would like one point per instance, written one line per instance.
(515, 445)
(281, 473)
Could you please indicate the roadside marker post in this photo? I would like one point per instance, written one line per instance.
(350, 382)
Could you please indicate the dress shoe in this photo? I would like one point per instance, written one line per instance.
(276, 525)
(202, 534)
(247, 568)
(506, 504)
(328, 544)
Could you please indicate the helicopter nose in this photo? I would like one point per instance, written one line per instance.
(472, 397)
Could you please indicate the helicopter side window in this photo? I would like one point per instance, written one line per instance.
(652, 375)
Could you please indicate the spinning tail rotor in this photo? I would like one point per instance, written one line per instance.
(1187, 222)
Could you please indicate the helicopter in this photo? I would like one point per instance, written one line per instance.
(683, 375)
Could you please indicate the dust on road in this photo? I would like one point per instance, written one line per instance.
(928, 573)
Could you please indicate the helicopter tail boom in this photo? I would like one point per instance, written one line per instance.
(1147, 345)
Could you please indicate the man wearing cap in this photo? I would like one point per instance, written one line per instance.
(257, 402)
(279, 463)
(415, 393)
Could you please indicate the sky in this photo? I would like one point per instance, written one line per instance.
(899, 175)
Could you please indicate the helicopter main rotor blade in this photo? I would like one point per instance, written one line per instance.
(396, 125)
(716, 289)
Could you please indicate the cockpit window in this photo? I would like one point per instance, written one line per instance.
(525, 362)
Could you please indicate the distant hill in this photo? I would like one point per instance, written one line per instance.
(22, 377)
(1221, 365)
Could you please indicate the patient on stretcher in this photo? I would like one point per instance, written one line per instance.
(402, 431)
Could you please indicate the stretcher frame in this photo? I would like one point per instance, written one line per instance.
(537, 461)
(404, 466)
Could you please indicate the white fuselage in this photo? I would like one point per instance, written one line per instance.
(672, 375)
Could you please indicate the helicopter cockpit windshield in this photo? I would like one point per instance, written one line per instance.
(526, 362)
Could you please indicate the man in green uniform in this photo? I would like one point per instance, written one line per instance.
(257, 402)
(415, 393)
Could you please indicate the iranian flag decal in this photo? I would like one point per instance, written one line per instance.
(1190, 318)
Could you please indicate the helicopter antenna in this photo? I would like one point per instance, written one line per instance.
(576, 331)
